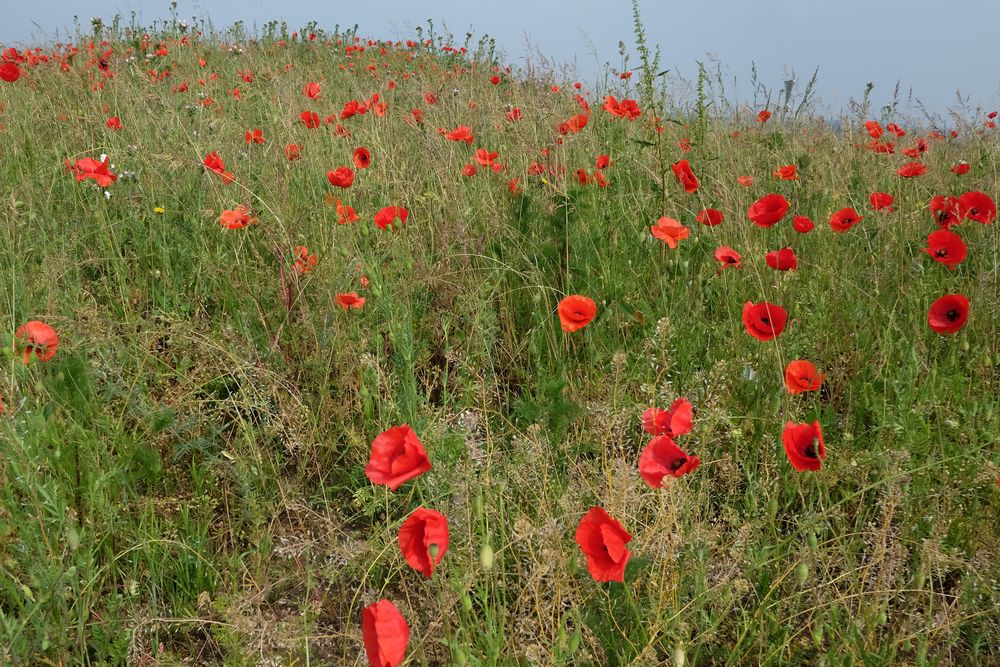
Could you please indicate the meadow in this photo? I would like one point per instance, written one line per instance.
(320, 349)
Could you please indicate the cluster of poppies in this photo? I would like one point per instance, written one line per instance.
(398, 456)
(764, 321)
(303, 262)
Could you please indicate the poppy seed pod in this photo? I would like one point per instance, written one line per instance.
(486, 556)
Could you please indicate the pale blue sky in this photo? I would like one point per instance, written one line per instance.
(930, 46)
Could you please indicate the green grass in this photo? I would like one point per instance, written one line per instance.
(184, 482)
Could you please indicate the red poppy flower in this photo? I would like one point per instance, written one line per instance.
(423, 539)
(745, 181)
(345, 214)
(684, 145)
(768, 210)
(977, 206)
(254, 136)
(350, 300)
(461, 133)
(310, 119)
(385, 634)
(603, 162)
(874, 129)
(946, 247)
(912, 169)
(304, 262)
(782, 260)
(214, 163)
(485, 157)
(918, 149)
(763, 116)
(669, 231)
(576, 312)
(675, 421)
(685, 176)
(663, 458)
(881, 201)
(388, 215)
(886, 147)
(362, 158)
(87, 167)
(945, 210)
(430, 98)
(114, 123)
(896, 130)
(804, 445)
(787, 173)
(844, 219)
(948, 314)
(709, 217)
(513, 115)
(351, 109)
(312, 90)
(763, 320)
(469, 170)
(341, 177)
(236, 218)
(961, 169)
(38, 338)
(802, 376)
(628, 109)
(802, 224)
(573, 125)
(603, 540)
(293, 152)
(10, 72)
(397, 457)
(728, 257)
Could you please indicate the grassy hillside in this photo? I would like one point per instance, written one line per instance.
(184, 480)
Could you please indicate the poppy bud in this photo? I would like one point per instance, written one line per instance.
(817, 633)
(772, 507)
(477, 506)
(574, 642)
(812, 540)
(466, 602)
(458, 654)
(680, 656)
(486, 556)
(965, 345)
(801, 573)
